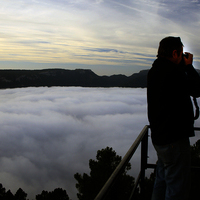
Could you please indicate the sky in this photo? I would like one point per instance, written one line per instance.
(49, 134)
(106, 36)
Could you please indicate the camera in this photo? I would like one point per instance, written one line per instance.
(185, 55)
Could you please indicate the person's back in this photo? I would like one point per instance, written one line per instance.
(170, 83)
(170, 109)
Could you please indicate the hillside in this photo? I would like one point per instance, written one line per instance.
(63, 77)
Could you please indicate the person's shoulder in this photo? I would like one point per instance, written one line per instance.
(156, 66)
(160, 70)
(162, 65)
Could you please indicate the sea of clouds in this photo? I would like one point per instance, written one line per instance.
(49, 134)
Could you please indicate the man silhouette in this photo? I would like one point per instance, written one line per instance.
(170, 83)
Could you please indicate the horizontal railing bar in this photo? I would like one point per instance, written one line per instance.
(195, 168)
(122, 164)
(151, 166)
(197, 128)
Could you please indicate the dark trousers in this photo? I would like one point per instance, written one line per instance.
(173, 171)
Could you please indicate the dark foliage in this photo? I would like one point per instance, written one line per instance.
(195, 172)
(101, 169)
(19, 195)
(57, 194)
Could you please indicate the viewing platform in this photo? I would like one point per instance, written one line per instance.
(140, 181)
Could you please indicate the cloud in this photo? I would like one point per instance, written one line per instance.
(104, 50)
(49, 134)
(64, 31)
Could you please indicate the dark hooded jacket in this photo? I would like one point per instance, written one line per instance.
(170, 109)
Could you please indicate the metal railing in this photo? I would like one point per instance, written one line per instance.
(143, 139)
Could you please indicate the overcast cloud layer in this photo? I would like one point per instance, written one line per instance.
(115, 36)
(49, 134)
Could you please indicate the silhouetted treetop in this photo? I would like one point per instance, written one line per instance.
(100, 170)
(57, 194)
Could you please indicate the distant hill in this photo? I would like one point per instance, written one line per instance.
(63, 77)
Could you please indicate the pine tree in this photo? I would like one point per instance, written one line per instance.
(101, 169)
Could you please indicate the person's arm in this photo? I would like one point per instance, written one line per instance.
(193, 76)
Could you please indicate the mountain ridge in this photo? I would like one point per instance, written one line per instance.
(17, 78)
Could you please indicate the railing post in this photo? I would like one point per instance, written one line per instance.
(122, 164)
(144, 156)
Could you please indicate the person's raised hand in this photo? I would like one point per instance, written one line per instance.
(189, 59)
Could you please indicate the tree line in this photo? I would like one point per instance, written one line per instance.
(57, 194)
(88, 185)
